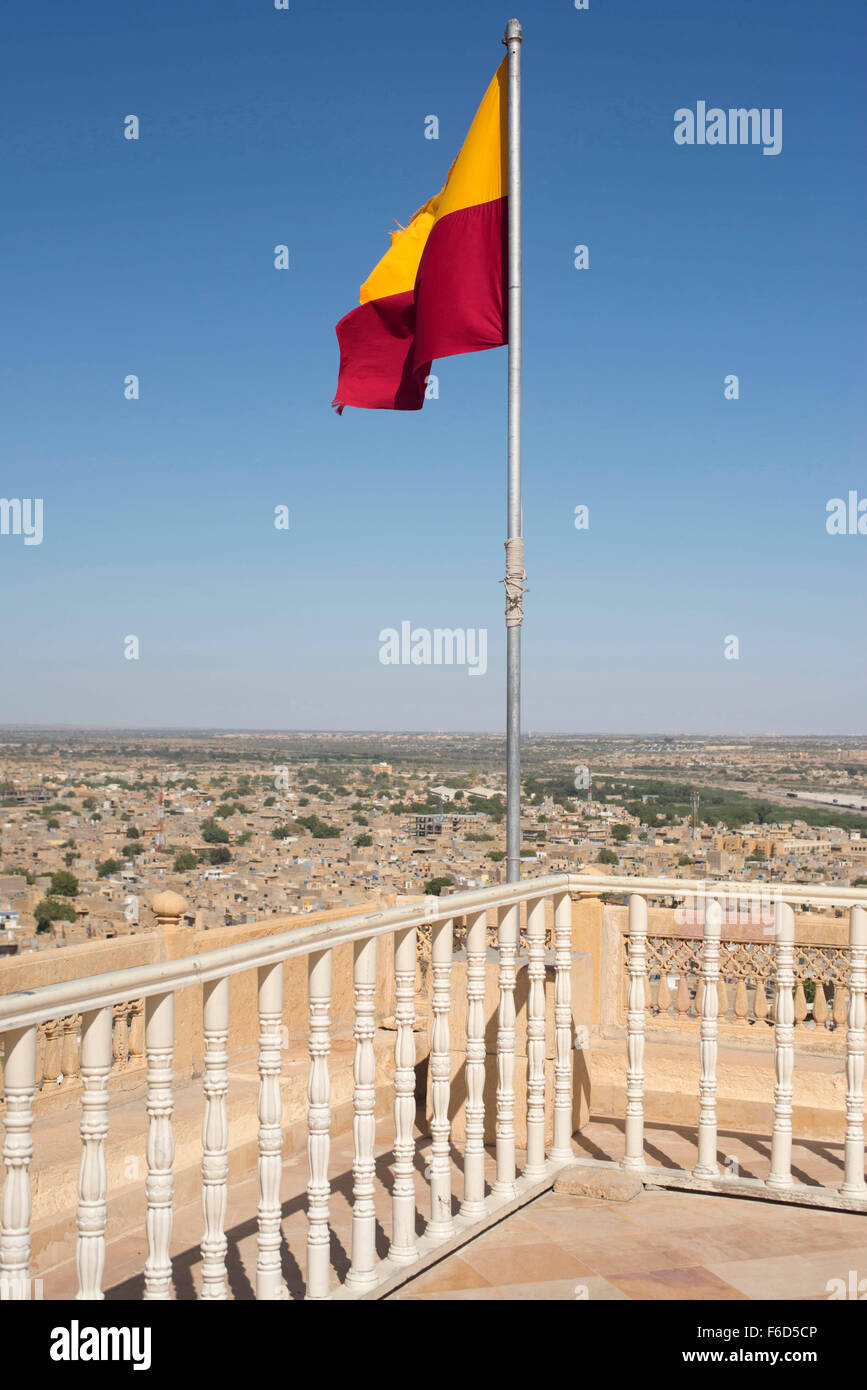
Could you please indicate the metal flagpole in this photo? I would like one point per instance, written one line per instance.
(515, 544)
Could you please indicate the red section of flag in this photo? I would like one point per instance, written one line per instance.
(460, 289)
(459, 304)
(376, 349)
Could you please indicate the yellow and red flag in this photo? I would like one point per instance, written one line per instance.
(441, 287)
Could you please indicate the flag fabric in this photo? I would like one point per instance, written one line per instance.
(441, 287)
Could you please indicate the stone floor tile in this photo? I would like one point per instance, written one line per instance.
(449, 1276)
(557, 1290)
(692, 1283)
(793, 1276)
(524, 1264)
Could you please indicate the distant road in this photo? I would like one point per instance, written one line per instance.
(829, 800)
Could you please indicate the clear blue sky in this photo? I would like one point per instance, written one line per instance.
(261, 127)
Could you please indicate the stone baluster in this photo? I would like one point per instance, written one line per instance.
(16, 1203)
(742, 1003)
(69, 1059)
(561, 1149)
(663, 993)
(760, 1001)
(840, 1006)
(363, 1269)
(51, 1061)
(853, 1181)
(706, 1165)
(682, 1001)
(535, 1165)
(441, 1223)
(820, 1006)
(633, 1156)
(136, 1032)
(784, 1051)
(93, 1178)
(41, 1045)
(799, 1006)
(722, 997)
(403, 1249)
(269, 1282)
(319, 1127)
(473, 1205)
(120, 1035)
(507, 941)
(215, 1137)
(159, 1185)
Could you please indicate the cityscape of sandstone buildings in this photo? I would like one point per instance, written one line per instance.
(99, 834)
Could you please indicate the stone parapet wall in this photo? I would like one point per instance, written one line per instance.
(59, 1040)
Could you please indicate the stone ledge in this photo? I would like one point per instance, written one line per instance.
(602, 1185)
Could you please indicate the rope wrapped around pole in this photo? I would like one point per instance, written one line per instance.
(514, 581)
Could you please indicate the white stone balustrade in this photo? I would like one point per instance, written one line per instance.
(708, 1048)
(362, 1272)
(784, 1051)
(215, 1138)
(114, 1030)
(853, 1182)
(633, 1156)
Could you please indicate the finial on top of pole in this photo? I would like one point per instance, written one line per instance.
(513, 31)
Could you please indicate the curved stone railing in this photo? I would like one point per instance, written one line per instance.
(101, 1002)
(781, 966)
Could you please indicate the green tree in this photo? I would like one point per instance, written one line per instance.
(49, 911)
(620, 833)
(496, 854)
(64, 885)
(108, 866)
(319, 829)
(363, 841)
(606, 856)
(281, 832)
(184, 861)
(219, 855)
(214, 834)
(436, 885)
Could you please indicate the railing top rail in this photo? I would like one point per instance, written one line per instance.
(815, 893)
(26, 1007)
